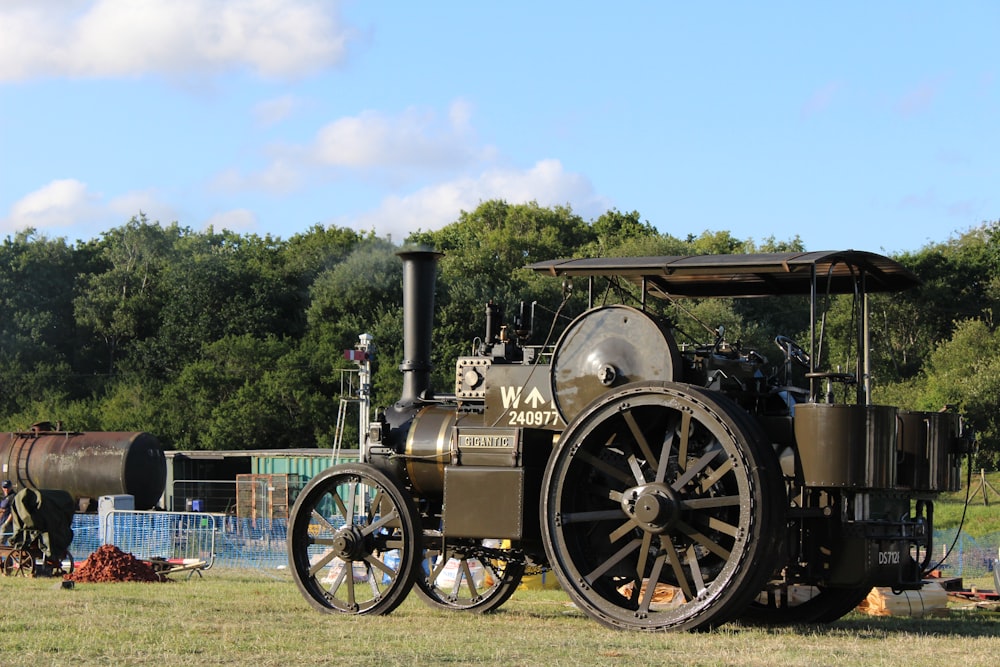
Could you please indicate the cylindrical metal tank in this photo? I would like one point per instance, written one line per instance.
(86, 465)
(846, 445)
(925, 448)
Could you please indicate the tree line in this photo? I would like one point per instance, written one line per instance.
(218, 340)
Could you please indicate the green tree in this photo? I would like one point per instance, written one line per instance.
(206, 389)
(347, 297)
(613, 229)
(218, 284)
(959, 282)
(363, 294)
(39, 340)
(120, 300)
(308, 254)
(484, 254)
(964, 371)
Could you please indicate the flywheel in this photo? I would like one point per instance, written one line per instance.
(605, 348)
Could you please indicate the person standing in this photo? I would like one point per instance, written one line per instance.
(6, 511)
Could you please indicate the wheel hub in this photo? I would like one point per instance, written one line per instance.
(653, 506)
(349, 544)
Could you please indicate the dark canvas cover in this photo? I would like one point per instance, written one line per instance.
(46, 516)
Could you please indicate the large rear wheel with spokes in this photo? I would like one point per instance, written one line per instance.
(352, 543)
(663, 508)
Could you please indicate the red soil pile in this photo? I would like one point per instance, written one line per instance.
(109, 563)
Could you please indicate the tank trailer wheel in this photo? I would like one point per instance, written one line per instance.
(663, 509)
(465, 577)
(352, 544)
(19, 563)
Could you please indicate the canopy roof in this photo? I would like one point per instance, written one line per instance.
(765, 274)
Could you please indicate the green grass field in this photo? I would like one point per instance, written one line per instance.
(980, 518)
(248, 618)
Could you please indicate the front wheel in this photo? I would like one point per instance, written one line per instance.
(467, 575)
(663, 508)
(351, 541)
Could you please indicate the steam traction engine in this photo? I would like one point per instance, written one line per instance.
(666, 487)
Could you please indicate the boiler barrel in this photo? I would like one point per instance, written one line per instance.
(86, 465)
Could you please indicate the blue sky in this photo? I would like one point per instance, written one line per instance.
(853, 125)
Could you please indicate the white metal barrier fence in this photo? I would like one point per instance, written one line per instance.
(221, 539)
(171, 536)
(228, 541)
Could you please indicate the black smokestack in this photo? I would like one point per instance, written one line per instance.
(419, 275)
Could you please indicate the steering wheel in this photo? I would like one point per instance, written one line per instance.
(792, 350)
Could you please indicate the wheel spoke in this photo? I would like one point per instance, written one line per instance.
(436, 570)
(613, 560)
(592, 516)
(352, 494)
(709, 480)
(685, 430)
(678, 567)
(319, 518)
(704, 541)
(338, 580)
(322, 562)
(640, 566)
(467, 574)
(709, 503)
(384, 520)
(718, 525)
(635, 466)
(606, 468)
(373, 561)
(623, 530)
(654, 577)
(695, 566)
(640, 439)
(661, 467)
(351, 598)
(339, 502)
(695, 469)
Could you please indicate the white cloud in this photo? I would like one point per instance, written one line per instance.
(272, 112)
(236, 220)
(460, 113)
(435, 206)
(413, 138)
(124, 38)
(68, 207)
(371, 145)
(281, 176)
(61, 203)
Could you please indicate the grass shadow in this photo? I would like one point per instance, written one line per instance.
(972, 624)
